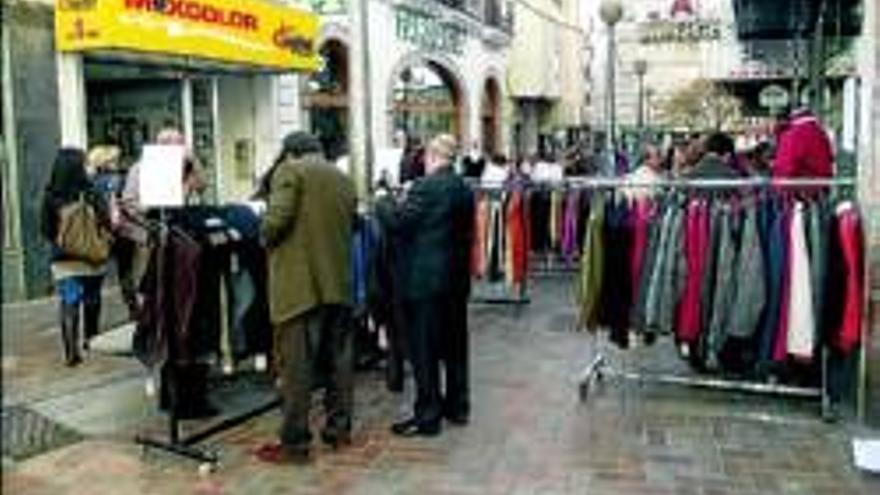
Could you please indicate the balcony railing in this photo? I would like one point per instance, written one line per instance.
(489, 12)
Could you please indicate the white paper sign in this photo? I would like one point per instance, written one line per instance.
(161, 176)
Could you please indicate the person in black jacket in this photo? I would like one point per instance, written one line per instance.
(435, 227)
(474, 163)
(77, 281)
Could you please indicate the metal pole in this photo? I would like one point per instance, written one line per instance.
(361, 143)
(641, 117)
(610, 103)
(817, 63)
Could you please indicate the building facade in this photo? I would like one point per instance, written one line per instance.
(682, 41)
(434, 66)
(549, 73)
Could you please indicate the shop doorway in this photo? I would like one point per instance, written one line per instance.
(491, 117)
(129, 105)
(427, 101)
(327, 99)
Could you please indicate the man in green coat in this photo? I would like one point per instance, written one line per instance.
(308, 233)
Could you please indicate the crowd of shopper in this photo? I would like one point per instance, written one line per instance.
(92, 214)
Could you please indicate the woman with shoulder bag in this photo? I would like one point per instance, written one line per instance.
(76, 222)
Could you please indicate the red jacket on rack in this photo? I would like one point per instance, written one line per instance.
(848, 331)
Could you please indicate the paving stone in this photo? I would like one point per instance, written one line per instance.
(529, 434)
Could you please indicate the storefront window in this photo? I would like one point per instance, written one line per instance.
(128, 105)
(426, 102)
(327, 99)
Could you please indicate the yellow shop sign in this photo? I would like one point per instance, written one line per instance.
(256, 33)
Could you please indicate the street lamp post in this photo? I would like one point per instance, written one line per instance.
(611, 11)
(360, 137)
(641, 67)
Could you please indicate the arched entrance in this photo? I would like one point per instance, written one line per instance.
(426, 101)
(490, 116)
(326, 98)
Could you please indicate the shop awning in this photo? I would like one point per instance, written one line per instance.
(256, 34)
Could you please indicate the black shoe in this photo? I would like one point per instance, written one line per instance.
(413, 428)
(336, 439)
(460, 419)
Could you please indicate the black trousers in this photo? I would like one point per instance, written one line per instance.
(437, 333)
(456, 358)
(319, 341)
(395, 327)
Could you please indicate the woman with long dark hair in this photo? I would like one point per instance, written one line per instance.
(77, 281)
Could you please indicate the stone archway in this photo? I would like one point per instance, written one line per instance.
(427, 96)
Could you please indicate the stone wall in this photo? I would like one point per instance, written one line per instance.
(37, 134)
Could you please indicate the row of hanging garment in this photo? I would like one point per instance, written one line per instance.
(210, 297)
(557, 218)
(746, 284)
(500, 247)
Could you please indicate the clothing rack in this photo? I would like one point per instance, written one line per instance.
(612, 182)
(176, 443)
(517, 298)
(599, 368)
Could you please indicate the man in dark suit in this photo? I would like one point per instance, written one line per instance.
(435, 227)
(308, 231)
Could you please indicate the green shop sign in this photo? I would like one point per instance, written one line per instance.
(428, 32)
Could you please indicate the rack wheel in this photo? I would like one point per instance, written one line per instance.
(207, 468)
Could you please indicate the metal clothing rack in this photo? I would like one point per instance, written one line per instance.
(598, 367)
(176, 443)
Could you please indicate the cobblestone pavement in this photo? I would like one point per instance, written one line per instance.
(32, 363)
(529, 435)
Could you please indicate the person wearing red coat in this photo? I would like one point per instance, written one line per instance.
(803, 148)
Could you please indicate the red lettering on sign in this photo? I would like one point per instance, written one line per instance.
(197, 12)
(212, 15)
(250, 23)
(139, 4)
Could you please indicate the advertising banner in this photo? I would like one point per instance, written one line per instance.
(255, 33)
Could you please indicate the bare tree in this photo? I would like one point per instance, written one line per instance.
(702, 105)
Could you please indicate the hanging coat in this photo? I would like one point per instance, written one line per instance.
(592, 266)
(780, 348)
(847, 326)
(481, 226)
(724, 291)
(748, 303)
(801, 318)
(696, 245)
